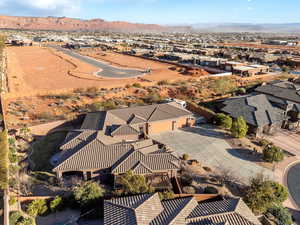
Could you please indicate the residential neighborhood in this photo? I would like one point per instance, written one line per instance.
(131, 123)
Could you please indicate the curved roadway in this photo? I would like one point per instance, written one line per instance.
(293, 183)
(106, 69)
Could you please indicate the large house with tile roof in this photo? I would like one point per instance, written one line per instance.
(115, 141)
(286, 96)
(149, 209)
(257, 111)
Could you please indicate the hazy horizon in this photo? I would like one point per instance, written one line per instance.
(161, 11)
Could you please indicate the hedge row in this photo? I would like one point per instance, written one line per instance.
(3, 160)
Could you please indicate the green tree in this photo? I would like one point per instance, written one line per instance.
(224, 121)
(263, 193)
(135, 184)
(282, 214)
(239, 128)
(56, 204)
(88, 193)
(37, 207)
(272, 154)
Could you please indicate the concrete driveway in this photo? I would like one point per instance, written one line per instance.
(106, 69)
(209, 147)
(287, 140)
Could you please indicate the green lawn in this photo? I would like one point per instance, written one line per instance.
(44, 149)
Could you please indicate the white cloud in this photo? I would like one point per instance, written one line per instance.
(40, 7)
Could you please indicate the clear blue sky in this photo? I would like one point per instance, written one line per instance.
(161, 11)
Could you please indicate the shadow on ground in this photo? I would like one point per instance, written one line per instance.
(246, 154)
(206, 130)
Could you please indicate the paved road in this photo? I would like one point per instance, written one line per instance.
(209, 147)
(107, 70)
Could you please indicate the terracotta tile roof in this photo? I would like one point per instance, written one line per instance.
(141, 156)
(148, 209)
(124, 130)
(133, 115)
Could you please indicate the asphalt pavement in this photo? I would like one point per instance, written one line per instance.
(106, 69)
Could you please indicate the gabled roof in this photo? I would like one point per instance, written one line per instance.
(141, 156)
(148, 209)
(255, 109)
(281, 90)
(133, 115)
(124, 130)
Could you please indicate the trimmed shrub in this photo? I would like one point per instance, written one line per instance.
(88, 193)
(239, 128)
(224, 121)
(166, 195)
(272, 154)
(185, 156)
(263, 142)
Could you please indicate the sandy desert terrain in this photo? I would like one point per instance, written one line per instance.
(34, 70)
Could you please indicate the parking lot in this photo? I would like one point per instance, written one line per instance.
(209, 147)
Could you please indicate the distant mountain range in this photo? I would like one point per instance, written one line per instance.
(71, 24)
(248, 27)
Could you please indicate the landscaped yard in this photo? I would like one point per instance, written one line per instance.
(209, 146)
(43, 149)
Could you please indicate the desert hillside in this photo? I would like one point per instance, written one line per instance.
(70, 24)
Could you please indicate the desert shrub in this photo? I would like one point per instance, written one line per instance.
(135, 184)
(153, 98)
(37, 207)
(162, 82)
(224, 121)
(185, 156)
(12, 200)
(263, 194)
(272, 154)
(88, 193)
(166, 195)
(222, 85)
(45, 116)
(189, 190)
(282, 214)
(79, 90)
(210, 190)
(56, 204)
(137, 85)
(186, 179)
(99, 106)
(239, 128)
(241, 91)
